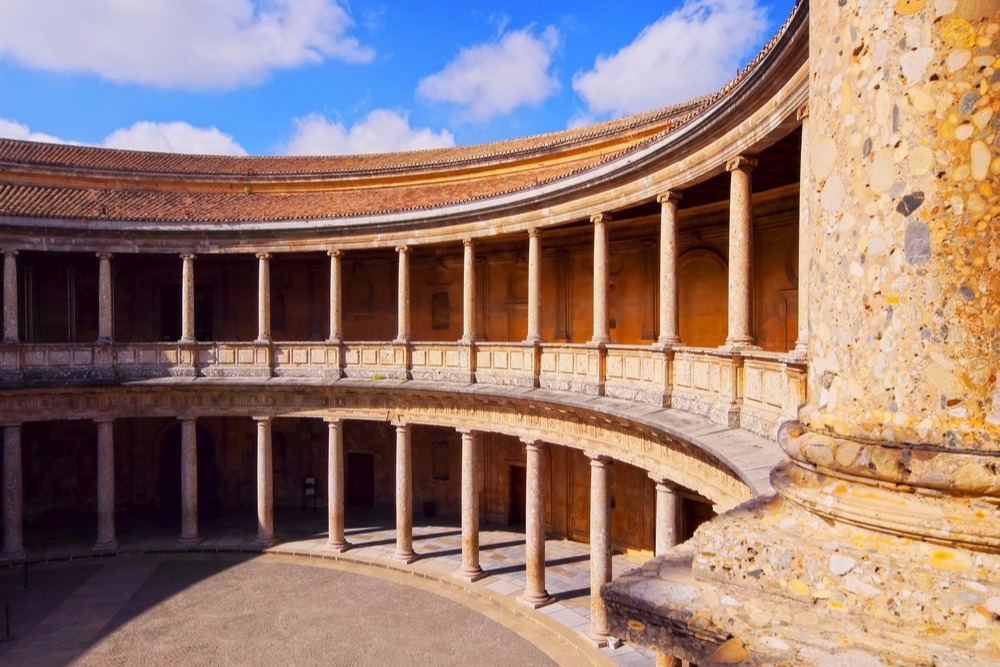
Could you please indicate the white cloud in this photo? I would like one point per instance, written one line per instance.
(492, 79)
(190, 44)
(689, 52)
(173, 137)
(381, 131)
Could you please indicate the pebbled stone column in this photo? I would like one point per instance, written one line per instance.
(600, 547)
(667, 516)
(187, 298)
(106, 540)
(189, 484)
(403, 296)
(336, 294)
(668, 268)
(105, 304)
(740, 250)
(335, 486)
(469, 291)
(534, 286)
(600, 222)
(10, 297)
(404, 496)
(470, 569)
(263, 297)
(534, 594)
(265, 484)
(13, 494)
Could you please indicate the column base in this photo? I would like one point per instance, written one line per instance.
(469, 575)
(536, 600)
(264, 542)
(406, 557)
(188, 542)
(599, 639)
(13, 556)
(669, 342)
(338, 546)
(105, 547)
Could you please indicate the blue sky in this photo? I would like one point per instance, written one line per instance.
(328, 76)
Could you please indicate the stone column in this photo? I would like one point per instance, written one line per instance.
(403, 295)
(263, 297)
(667, 506)
(265, 484)
(668, 268)
(801, 348)
(666, 660)
(13, 495)
(336, 293)
(187, 299)
(470, 570)
(534, 286)
(10, 296)
(600, 547)
(104, 299)
(600, 278)
(740, 250)
(469, 292)
(106, 540)
(189, 484)
(404, 495)
(335, 486)
(534, 594)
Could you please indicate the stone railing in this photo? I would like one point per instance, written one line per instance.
(747, 389)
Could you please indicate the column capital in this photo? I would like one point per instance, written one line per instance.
(188, 256)
(535, 232)
(803, 111)
(599, 460)
(470, 242)
(467, 431)
(262, 418)
(741, 163)
(9, 252)
(10, 424)
(601, 217)
(400, 424)
(104, 420)
(334, 252)
(529, 443)
(103, 255)
(403, 249)
(665, 482)
(263, 255)
(670, 196)
(333, 421)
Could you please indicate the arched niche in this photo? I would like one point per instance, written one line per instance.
(703, 296)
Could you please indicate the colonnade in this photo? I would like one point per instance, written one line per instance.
(739, 284)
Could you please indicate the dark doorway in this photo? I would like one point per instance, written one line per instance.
(360, 479)
(518, 491)
(170, 474)
(170, 313)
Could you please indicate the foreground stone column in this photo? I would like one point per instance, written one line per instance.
(600, 278)
(600, 547)
(336, 293)
(404, 495)
(106, 540)
(668, 268)
(13, 494)
(534, 594)
(740, 250)
(403, 295)
(189, 484)
(265, 484)
(187, 299)
(10, 296)
(470, 570)
(469, 292)
(104, 299)
(335, 486)
(534, 286)
(263, 297)
(667, 516)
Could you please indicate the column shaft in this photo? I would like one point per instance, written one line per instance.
(335, 486)
(263, 297)
(403, 296)
(534, 286)
(469, 292)
(13, 498)
(740, 251)
(470, 569)
(667, 505)
(104, 299)
(805, 184)
(600, 546)
(106, 540)
(336, 293)
(404, 495)
(189, 483)
(187, 299)
(10, 296)
(668, 268)
(265, 484)
(534, 594)
(600, 278)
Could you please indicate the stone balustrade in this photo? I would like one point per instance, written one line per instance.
(748, 389)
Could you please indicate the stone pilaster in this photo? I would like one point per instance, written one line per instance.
(403, 295)
(13, 494)
(263, 297)
(600, 222)
(600, 547)
(106, 540)
(265, 484)
(10, 297)
(534, 286)
(534, 594)
(335, 487)
(740, 250)
(801, 348)
(336, 297)
(104, 299)
(667, 505)
(187, 298)
(469, 291)
(189, 484)
(668, 269)
(404, 495)
(470, 569)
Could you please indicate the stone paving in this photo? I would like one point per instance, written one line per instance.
(556, 627)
